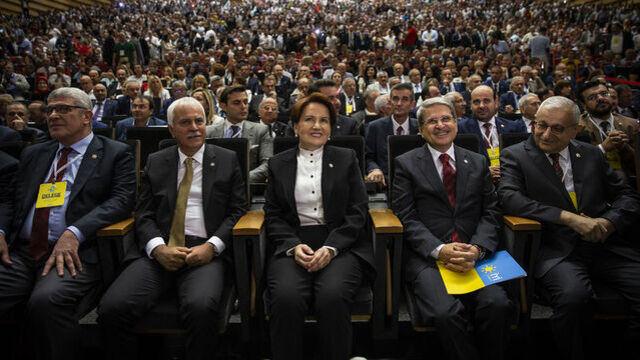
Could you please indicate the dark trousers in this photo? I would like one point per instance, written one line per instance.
(138, 289)
(292, 290)
(54, 304)
(568, 288)
(492, 312)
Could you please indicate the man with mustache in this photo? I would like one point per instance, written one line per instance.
(182, 248)
(613, 133)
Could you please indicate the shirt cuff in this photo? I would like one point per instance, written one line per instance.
(436, 252)
(335, 251)
(218, 243)
(152, 244)
(77, 233)
(290, 251)
(601, 148)
(2, 232)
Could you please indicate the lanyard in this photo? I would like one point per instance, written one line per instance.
(602, 133)
(488, 139)
(57, 171)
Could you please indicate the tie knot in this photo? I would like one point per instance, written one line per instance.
(188, 161)
(555, 156)
(487, 126)
(234, 129)
(605, 126)
(400, 130)
(65, 151)
(444, 158)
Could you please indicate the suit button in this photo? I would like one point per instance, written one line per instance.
(315, 209)
(312, 176)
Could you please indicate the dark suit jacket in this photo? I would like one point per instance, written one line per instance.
(8, 134)
(8, 170)
(344, 126)
(503, 87)
(375, 137)
(530, 188)
(124, 124)
(358, 100)
(344, 198)
(254, 105)
(33, 135)
(123, 106)
(109, 108)
(223, 194)
(420, 201)
(103, 191)
(508, 98)
(470, 126)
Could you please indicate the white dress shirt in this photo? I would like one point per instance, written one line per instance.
(404, 126)
(308, 188)
(494, 140)
(435, 155)
(194, 215)
(565, 165)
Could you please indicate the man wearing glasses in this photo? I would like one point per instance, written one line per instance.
(614, 134)
(588, 214)
(446, 201)
(66, 190)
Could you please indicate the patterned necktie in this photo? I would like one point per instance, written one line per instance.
(39, 244)
(556, 165)
(487, 134)
(176, 238)
(400, 130)
(234, 130)
(605, 127)
(449, 181)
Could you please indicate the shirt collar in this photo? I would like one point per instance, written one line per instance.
(599, 120)
(491, 121)
(396, 124)
(564, 154)
(228, 124)
(311, 154)
(81, 146)
(435, 154)
(197, 156)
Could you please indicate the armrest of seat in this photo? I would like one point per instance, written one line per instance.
(385, 221)
(517, 223)
(120, 228)
(250, 224)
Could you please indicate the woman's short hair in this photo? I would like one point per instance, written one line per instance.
(317, 98)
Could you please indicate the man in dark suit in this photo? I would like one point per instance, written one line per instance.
(94, 178)
(142, 110)
(448, 206)
(484, 106)
(182, 247)
(344, 125)
(589, 218)
(376, 132)
(496, 81)
(123, 103)
(7, 134)
(350, 100)
(17, 118)
(268, 112)
(269, 90)
(510, 101)
(102, 106)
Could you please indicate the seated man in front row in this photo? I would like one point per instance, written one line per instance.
(588, 215)
(446, 201)
(181, 246)
(52, 257)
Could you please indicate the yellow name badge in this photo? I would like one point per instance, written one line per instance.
(574, 199)
(494, 156)
(613, 157)
(349, 109)
(51, 194)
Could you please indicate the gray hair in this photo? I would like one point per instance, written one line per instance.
(126, 83)
(525, 100)
(561, 103)
(381, 72)
(183, 103)
(438, 100)
(381, 101)
(79, 97)
(367, 93)
(451, 96)
(267, 98)
(179, 83)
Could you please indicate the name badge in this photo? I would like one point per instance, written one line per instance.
(51, 194)
(121, 52)
(613, 157)
(574, 199)
(494, 156)
(349, 109)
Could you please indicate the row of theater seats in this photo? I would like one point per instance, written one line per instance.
(379, 303)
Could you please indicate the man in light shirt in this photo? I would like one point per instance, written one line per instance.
(529, 105)
(179, 245)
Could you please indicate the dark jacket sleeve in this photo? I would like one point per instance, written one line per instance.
(371, 138)
(146, 207)
(236, 205)
(488, 228)
(8, 171)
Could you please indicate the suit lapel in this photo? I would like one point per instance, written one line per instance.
(90, 160)
(462, 171)
(543, 164)
(208, 174)
(215, 131)
(413, 126)
(578, 170)
(428, 168)
(41, 166)
(289, 170)
(328, 176)
(248, 132)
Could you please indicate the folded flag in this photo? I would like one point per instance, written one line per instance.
(498, 268)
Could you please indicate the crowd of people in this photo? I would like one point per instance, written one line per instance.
(551, 72)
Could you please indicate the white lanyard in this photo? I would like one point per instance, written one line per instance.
(57, 171)
(490, 138)
(602, 133)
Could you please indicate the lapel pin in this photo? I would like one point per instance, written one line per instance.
(501, 125)
(212, 164)
(465, 161)
(330, 165)
(577, 155)
(94, 156)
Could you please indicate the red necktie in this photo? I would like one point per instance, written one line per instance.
(449, 181)
(556, 165)
(487, 134)
(39, 244)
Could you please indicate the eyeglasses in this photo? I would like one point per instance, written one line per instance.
(15, 113)
(604, 94)
(446, 119)
(556, 129)
(61, 109)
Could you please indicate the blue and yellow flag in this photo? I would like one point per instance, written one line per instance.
(498, 268)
